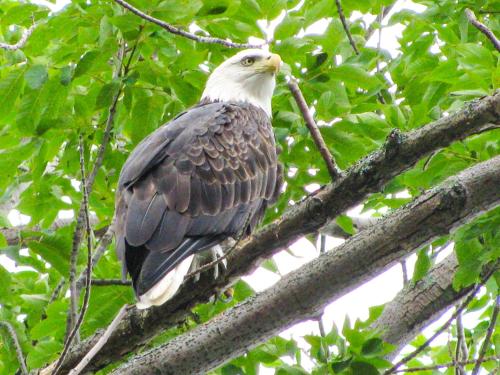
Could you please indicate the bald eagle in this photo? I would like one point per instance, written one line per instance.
(207, 175)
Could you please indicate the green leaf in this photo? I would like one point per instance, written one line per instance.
(355, 77)
(36, 76)
(363, 368)
(5, 282)
(66, 75)
(339, 366)
(10, 87)
(422, 265)
(55, 249)
(85, 63)
(106, 95)
(372, 346)
(345, 222)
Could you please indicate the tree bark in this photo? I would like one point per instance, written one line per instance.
(304, 293)
(418, 305)
(399, 153)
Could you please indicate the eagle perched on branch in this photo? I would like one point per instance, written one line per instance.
(207, 175)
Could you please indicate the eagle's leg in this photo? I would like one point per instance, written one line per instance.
(212, 255)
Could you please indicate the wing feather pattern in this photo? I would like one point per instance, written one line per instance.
(192, 183)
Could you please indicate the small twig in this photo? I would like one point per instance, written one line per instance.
(19, 351)
(110, 282)
(379, 42)
(56, 291)
(450, 353)
(88, 229)
(74, 290)
(335, 173)
(380, 18)
(53, 296)
(106, 239)
(185, 34)
(20, 44)
(461, 351)
(444, 365)
(488, 11)
(100, 343)
(489, 333)
(321, 326)
(346, 27)
(482, 27)
(444, 327)
(405, 272)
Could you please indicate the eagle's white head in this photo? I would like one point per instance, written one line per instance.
(249, 76)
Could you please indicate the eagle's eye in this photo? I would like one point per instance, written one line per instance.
(247, 61)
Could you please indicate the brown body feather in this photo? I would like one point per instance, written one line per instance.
(192, 183)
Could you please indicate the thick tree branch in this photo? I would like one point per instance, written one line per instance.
(302, 294)
(185, 34)
(22, 41)
(482, 28)
(335, 173)
(400, 153)
(444, 327)
(418, 305)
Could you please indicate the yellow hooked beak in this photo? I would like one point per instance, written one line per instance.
(272, 63)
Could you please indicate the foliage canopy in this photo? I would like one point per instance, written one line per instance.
(63, 81)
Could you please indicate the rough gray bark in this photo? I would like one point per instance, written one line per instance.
(418, 305)
(399, 153)
(302, 294)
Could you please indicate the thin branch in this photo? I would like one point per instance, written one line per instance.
(88, 229)
(405, 272)
(461, 351)
(489, 333)
(482, 28)
(74, 290)
(110, 282)
(443, 328)
(444, 365)
(56, 291)
(20, 44)
(185, 34)
(335, 173)
(101, 342)
(19, 351)
(488, 11)
(380, 18)
(53, 296)
(346, 27)
(321, 326)
(106, 239)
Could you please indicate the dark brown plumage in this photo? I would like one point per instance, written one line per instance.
(191, 184)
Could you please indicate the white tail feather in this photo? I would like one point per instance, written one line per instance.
(165, 289)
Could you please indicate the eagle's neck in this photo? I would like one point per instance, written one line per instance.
(255, 90)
